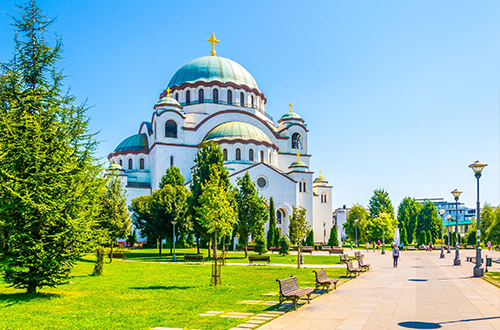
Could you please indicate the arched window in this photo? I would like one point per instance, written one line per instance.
(262, 156)
(171, 129)
(188, 97)
(141, 163)
(171, 161)
(252, 101)
(120, 162)
(296, 141)
(229, 97)
(242, 99)
(201, 96)
(238, 154)
(323, 198)
(250, 155)
(130, 164)
(177, 97)
(280, 216)
(216, 95)
(302, 186)
(225, 154)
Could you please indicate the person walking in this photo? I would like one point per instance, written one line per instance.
(489, 246)
(378, 244)
(351, 245)
(367, 246)
(395, 256)
(373, 245)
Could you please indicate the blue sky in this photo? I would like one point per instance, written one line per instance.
(397, 95)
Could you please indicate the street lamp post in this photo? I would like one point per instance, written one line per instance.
(356, 224)
(456, 193)
(448, 217)
(477, 167)
(324, 232)
(441, 212)
(383, 233)
(173, 233)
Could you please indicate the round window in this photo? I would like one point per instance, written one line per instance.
(261, 182)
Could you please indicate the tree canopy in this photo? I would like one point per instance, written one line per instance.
(429, 220)
(380, 203)
(359, 213)
(408, 211)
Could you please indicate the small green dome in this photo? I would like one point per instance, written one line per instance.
(115, 167)
(290, 115)
(133, 143)
(297, 163)
(169, 102)
(238, 130)
(213, 68)
(320, 179)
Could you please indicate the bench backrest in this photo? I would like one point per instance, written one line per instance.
(350, 266)
(325, 248)
(258, 257)
(321, 274)
(288, 285)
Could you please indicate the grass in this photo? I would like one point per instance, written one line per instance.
(136, 295)
(493, 278)
(231, 257)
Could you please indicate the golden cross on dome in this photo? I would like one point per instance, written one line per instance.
(291, 105)
(168, 91)
(298, 156)
(213, 41)
(319, 173)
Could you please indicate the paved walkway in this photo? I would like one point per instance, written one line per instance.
(424, 292)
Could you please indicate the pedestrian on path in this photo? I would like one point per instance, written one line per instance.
(351, 245)
(378, 244)
(367, 247)
(395, 255)
(373, 246)
(489, 246)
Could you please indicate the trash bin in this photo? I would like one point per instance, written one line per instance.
(488, 262)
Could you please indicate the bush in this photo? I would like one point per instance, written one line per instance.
(260, 244)
(333, 240)
(181, 242)
(310, 239)
(284, 245)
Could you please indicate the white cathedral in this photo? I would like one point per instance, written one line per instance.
(215, 99)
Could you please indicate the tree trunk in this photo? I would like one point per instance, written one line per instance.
(298, 256)
(198, 244)
(160, 243)
(111, 253)
(215, 258)
(31, 288)
(246, 248)
(209, 248)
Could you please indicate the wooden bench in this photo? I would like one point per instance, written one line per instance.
(309, 249)
(411, 248)
(362, 265)
(274, 248)
(351, 270)
(194, 258)
(117, 255)
(358, 255)
(290, 290)
(326, 248)
(336, 250)
(251, 259)
(469, 246)
(323, 280)
(344, 258)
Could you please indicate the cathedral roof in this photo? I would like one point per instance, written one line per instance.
(298, 163)
(168, 102)
(320, 179)
(133, 143)
(238, 130)
(213, 68)
(290, 115)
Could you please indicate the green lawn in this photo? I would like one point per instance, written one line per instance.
(137, 295)
(493, 278)
(231, 257)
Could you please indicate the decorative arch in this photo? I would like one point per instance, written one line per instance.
(296, 141)
(188, 97)
(171, 129)
(215, 96)
(238, 154)
(130, 164)
(242, 99)
(250, 155)
(201, 95)
(225, 154)
(229, 96)
(141, 163)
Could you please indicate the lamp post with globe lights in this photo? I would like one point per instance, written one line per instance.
(356, 225)
(441, 212)
(448, 217)
(477, 167)
(456, 193)
(383, 233)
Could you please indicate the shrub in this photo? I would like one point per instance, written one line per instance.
(260, 244)
(333, 240)
(284, 245)
(310, 239)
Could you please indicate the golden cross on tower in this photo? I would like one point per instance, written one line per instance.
(298, 156)
(168, 91)
(213, 41)
(291, 105)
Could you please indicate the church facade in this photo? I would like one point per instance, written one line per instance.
(215, 99)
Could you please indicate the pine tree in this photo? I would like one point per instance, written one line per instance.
(430, 237)
(172, 177)
(49, 181)
(333, 240)
(272, 223)
(284, 245)
(277, 236)
(260, 243)
(310, 238)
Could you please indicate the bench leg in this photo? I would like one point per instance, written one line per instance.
(308, 298)
(335, 285)
(295, 303)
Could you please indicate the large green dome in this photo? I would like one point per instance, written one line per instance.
(133, 143)
(213, 68)
(237, 130)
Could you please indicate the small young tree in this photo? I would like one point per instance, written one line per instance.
(215, 213)
(298, 228)
(284, 245)
(172, 177)
(333, 240)
(260, 244)
(272, 223)
(310, 238)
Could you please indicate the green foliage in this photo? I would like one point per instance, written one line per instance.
(298, 227)
(471, 237)
(429, 219)
(209, 159)
(408, 211)
(491, 229)
(380, 203)
(272, 224)
(430, 237)
(181, 241)
(50, 182)
(98, 268)
(333, 240)
(173, 177)
(379, 228)
(359, 213)
(422, 237)
(403, 236)
(190, 239)
(252, 210)
(284, 245)
(453, 238)
(142, 218)
(132, 238)
(277, 236)
(260, 244)
(310, 238)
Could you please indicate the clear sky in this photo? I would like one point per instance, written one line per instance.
(400, 95)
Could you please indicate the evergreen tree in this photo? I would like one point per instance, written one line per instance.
(428, 219)
(423, 237)
(272, 223)
(333, 240)
(114, 218)
(284, 245)
(380, 203)
(298, 228)
(310, 238)
(49, 181)
(172, 177)
(407, 217)
(209, 159)
(252, 210)
(403, 236)
(430, 237)
(277, 236)
(132, 238)
(260, 244)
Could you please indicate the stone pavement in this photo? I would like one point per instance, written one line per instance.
(424, 292)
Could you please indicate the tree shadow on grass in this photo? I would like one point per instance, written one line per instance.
(16, 298)
(162, 287)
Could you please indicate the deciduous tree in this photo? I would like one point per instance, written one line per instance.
(380, 203)
(298, 228)
(429, 219)
(408, 211)
(359, 213)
